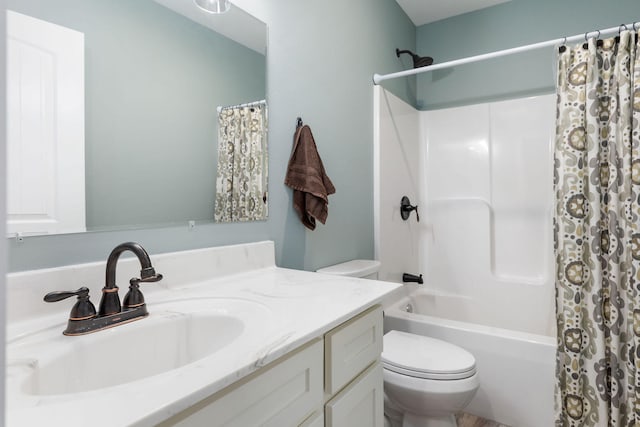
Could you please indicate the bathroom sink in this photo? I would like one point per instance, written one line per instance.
(174, 335)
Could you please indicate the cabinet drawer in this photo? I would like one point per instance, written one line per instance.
(316, 420)
(351, 348)
(360, 404)
(281, 395)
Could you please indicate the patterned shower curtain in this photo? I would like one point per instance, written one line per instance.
(241, 184)
(596, 234)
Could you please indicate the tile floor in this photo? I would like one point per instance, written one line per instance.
(467, 420)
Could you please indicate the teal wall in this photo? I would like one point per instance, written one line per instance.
(153, 79)
(320, 62)
(322, 56)
(507, 25)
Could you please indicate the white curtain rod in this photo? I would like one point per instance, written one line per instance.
(378, 78)
(248, 104)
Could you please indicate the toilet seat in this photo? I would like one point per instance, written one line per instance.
(424, 357)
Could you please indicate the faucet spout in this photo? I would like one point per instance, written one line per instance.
(110, 302)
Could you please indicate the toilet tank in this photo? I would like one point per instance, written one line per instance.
(364, 268)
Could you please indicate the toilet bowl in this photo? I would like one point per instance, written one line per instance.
(428, 380)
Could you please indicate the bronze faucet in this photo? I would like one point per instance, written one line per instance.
(83, 318)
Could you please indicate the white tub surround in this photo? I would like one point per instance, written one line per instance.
(397, 160)
(481, 176)
(285, 309)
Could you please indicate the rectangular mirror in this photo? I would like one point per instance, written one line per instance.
(128, 137)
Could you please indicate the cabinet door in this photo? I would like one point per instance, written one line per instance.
(282, 395)
(351, 347)
(316, 420)
(360, 404)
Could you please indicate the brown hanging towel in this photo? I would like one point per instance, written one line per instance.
(310, 183)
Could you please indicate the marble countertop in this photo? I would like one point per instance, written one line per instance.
(299, 306)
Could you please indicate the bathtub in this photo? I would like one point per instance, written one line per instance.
(516, 369)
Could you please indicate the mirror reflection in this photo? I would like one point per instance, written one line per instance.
(125, 134)
(241, 186)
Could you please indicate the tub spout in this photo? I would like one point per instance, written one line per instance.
(406, 277)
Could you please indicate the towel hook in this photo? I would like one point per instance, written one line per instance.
(298, 122)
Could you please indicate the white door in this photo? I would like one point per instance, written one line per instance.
(45, 127)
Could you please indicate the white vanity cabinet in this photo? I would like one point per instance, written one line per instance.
(360, 404)
(353, 372)
(282, 394)
(315, 420)
(330, 382)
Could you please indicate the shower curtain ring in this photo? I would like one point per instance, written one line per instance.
(586, 35)
(622, 26)
(634, 26)
(563, 46)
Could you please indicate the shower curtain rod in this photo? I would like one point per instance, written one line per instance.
(248, 104)
(378, 78)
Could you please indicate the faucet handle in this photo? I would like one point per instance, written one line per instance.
(134, 297)
(406, 208)
(83, 308)
(60, 295)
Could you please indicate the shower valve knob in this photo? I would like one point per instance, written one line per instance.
(406, 208)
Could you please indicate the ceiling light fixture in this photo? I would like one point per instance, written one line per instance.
(213, 6)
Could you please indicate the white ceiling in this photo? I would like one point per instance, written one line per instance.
(425, 11)
(236, 24)
(251, 32)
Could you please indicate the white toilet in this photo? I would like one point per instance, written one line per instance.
(429, 380)
(426, 381)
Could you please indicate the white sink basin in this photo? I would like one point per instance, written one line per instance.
(175, 334)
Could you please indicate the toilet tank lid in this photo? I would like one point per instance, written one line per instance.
(353, 268)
